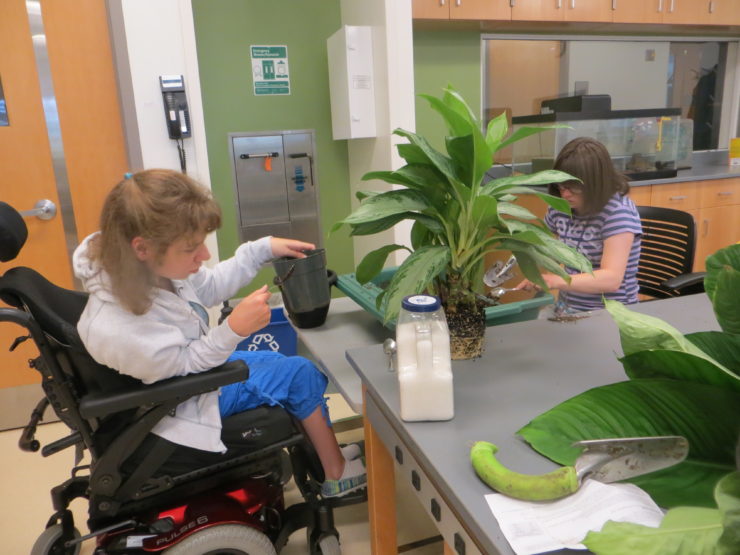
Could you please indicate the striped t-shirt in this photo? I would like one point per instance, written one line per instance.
(587, 234)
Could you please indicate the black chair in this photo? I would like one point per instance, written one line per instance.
(667, 253)
(132, 492)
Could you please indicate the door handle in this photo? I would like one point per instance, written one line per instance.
(43, 210)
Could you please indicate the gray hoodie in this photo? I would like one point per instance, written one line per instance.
(170, 339)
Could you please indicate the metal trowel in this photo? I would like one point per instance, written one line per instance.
(605, 460)
(612, 460)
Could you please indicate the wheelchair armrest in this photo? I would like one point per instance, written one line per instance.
(176, 389)
(684, 280)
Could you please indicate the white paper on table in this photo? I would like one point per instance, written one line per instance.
(539, 526)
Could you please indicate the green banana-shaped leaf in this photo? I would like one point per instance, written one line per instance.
(524, 132)
(462, 154)
(707, 416)
(373, 262)
(725, 347)
(722, 282)
(484, 213)
(414, 276)
(455, 101)
(370, 228)
(553, 248)
(393, 177)
(412, 154)
(679, 365)
(387, 204)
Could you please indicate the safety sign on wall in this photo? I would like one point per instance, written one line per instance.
(270, 70)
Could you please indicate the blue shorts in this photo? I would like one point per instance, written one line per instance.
(293, 383)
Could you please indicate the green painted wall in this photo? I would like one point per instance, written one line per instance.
(442, 58)
(224, 31)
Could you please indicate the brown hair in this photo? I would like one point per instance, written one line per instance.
(159, 205)
(588, 160)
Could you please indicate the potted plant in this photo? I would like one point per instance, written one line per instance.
(459, 218)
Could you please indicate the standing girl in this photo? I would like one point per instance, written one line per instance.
(605, 227)
(146, 318)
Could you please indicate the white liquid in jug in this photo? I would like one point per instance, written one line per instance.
(424, 370)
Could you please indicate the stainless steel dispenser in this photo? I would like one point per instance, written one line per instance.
(274, 175)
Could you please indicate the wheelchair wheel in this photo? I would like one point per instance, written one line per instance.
(50, 542)
(329, 545)
(225, 539)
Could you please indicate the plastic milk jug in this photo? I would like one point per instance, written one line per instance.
(423, 360)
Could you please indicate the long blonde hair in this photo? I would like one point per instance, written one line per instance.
(159, 205)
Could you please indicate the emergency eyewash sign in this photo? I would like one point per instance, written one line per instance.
(270, 70)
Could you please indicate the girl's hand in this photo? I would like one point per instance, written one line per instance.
(526, 285)
(251, 314)
(289, 247)
(551, 280)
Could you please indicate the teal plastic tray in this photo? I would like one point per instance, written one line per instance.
(507, 313)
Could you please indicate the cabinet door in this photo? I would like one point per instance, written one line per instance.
(641, 195)
(721, 192)
(681, 196)
(686, 11)
(538, 10)
(431, 9)
(638, 11)
(717, 227)
(480, 9)
(724, 12)
(588, 10)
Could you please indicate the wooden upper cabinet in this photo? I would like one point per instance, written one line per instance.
(480, 9)
(588, 10)
(724, 12)
(538, 10)
(638, 11)
(690, 12)
(431, 9)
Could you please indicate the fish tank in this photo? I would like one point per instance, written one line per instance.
(643, 144)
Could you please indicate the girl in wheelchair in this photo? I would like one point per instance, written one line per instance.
(146, 318)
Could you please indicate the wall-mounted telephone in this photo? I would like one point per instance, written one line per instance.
(175, 106)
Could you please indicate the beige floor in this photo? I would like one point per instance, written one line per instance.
(26, 478)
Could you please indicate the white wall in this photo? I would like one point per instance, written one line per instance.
(620, 69)
(393, 65)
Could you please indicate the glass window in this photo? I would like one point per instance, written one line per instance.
(636, 73)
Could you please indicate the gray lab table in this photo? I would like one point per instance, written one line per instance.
(527, 368)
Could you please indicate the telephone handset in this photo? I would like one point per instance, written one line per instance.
(175, 106)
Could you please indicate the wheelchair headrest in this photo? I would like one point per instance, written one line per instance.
(56, 310)
(13, 232)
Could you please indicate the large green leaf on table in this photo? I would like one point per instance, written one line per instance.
(679, 365)
(689, 530)
(413, 276)
(727, 495)
(707, 416)
(725, 347)
(683, 529)
(373, 262)
(722, 282)
(639, 332)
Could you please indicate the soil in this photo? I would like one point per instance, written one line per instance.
(467, 331)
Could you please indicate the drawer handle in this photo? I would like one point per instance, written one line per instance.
(724, 193)
(678, 197)
(706, 227)
(436, 510)
(459, 544)
(399, 455)
(415, 480)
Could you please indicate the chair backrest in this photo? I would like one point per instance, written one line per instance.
(667, 248)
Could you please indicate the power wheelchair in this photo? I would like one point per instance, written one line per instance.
(137, 504)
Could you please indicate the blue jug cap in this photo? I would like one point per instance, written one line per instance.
(421, 303)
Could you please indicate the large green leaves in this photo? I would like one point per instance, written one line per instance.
(722, 284)
(708, 416)
(385, 205)
(686, 530)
